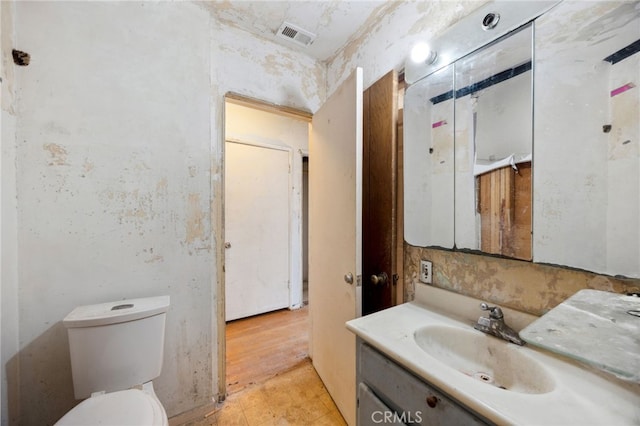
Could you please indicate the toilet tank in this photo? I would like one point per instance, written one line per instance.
(116, 345)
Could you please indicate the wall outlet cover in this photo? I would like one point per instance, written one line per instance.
(425, 271)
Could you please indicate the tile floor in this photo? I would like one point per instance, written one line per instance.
(295, 397)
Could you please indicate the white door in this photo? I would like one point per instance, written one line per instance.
(335, 228)
(256, 229)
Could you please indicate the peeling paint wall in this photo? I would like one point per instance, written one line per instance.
(258, 68)
(384, 42)
(525, 286)
(8, 212)
(113, 187)
(118, 162)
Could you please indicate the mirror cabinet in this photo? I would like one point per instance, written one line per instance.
(528, 145)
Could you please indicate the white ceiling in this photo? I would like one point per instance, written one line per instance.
(335, 22)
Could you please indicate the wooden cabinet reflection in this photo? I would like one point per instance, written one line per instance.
(504, 207)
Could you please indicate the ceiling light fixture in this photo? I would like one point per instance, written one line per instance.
(421, 53)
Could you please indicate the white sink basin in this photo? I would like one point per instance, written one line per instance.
(485, 358)
(433, 339)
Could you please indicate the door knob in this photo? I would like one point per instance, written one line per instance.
(348, 278)
(380, 279)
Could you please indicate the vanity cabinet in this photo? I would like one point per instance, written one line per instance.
(389, 394)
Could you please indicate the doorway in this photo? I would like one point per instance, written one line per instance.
(338, 130)
(265, 261)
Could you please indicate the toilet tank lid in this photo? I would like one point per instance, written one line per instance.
(116, 312)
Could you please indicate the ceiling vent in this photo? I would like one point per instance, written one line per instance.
(295, 34)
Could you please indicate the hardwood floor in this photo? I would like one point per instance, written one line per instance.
(270, 378)
(262, 346)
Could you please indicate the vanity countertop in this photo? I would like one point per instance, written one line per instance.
(597, 327)
(581, 395)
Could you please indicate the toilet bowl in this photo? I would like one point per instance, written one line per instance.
(130, 407)
(116, 351)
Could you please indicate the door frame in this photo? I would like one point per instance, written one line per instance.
(218, 186)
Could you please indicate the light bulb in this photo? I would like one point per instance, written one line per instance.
(422, 53)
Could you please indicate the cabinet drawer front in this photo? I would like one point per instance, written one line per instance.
(407, 395)
(372, 411)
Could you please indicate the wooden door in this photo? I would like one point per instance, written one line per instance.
(256, 229)
(379, 203)
(335, 239)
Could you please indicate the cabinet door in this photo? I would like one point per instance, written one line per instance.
(408, 395)
(371, 411)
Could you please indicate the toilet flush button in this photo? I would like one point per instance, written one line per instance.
(124, 306)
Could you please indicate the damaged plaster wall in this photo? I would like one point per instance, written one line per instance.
(113, 187)
(8, 212)
(385, 40)
(118, 159)
(528, 287)
(258, 68)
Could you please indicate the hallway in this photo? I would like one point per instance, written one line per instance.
(262, 346)
(270, 378)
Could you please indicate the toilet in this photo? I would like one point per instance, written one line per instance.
(116, 351)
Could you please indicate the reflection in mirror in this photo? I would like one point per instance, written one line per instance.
(429, 217)
(587, 127)
(493, 148)
(428, 160)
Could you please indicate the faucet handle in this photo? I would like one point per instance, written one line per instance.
(495, 311)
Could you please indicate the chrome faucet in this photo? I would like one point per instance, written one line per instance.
(495, 325)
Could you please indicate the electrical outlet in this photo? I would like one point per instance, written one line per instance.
(425, 271)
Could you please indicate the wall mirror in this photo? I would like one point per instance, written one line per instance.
(493, 147)
(429, 121)
(580, 151)
(587, 136)
(440, 187)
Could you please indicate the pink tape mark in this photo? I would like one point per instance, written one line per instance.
(622, 89)
(438, 124)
